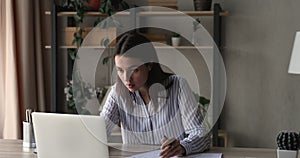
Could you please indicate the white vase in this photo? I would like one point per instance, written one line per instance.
(175, 41)
(287, 153)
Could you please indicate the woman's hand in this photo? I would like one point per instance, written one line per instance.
(171, 147)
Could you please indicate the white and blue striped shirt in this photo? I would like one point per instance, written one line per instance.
(174, 113)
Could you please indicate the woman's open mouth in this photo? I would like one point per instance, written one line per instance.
(131, 86)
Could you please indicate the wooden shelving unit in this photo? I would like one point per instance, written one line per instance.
(216, 14)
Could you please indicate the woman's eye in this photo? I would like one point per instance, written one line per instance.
(119, 70)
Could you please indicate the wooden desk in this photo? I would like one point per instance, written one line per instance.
(14, 149)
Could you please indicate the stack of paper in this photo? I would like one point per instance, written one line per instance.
(155, 153)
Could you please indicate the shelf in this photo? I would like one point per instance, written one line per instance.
(178, 13)
(86, 13)
(183, 47)
(157, 47)
(74, 47)
(149, 13)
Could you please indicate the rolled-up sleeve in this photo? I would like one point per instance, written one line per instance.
(198, 136)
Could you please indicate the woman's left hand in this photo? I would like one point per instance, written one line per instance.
(171, 147)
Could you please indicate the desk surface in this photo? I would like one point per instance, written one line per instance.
(14, 149)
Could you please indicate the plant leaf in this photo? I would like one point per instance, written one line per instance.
(105, 60)
(105, 42)
(204, 101)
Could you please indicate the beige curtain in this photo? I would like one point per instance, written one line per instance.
(9, 89)
(21, 67)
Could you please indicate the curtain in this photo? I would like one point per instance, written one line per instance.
(21, 67)
(9, 92)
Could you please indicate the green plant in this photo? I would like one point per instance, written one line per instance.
(108, 7)
(203, 103)
(288, 140)
(79, 7)
(175, 34)
(82, 91)
(77, 93)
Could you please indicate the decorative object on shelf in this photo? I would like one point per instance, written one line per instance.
(294, 67)
(175, 39)
(288, 144)
(202, 5)
(94, 4)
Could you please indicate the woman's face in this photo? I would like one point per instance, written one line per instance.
(132, 72)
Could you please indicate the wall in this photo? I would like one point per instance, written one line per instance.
(262, 98)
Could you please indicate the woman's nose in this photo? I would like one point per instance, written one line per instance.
(127, 76)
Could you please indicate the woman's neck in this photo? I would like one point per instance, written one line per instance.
(144, 92)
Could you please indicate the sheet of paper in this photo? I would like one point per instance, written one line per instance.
(155, 154)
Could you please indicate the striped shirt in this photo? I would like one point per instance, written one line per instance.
(173, 113)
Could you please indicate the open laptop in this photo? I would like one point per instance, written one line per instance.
(69, 136)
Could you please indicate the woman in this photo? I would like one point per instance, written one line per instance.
(150, 104)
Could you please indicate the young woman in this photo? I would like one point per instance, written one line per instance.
(150, 104)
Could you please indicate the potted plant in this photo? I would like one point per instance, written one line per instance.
(175, 39)
(288, 144)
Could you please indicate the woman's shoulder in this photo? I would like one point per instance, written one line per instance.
(112, 90)
(176, 78)
(176, 81)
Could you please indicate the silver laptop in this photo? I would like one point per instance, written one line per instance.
(70, 136)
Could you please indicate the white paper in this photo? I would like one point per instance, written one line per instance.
(155, 154)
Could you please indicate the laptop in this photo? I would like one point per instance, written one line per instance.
(69, 135)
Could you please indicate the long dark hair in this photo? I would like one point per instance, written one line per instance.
(143, 50)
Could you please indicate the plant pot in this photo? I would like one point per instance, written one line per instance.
(202, 5)
(94, 4)
(287, 153)
(175, 41)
